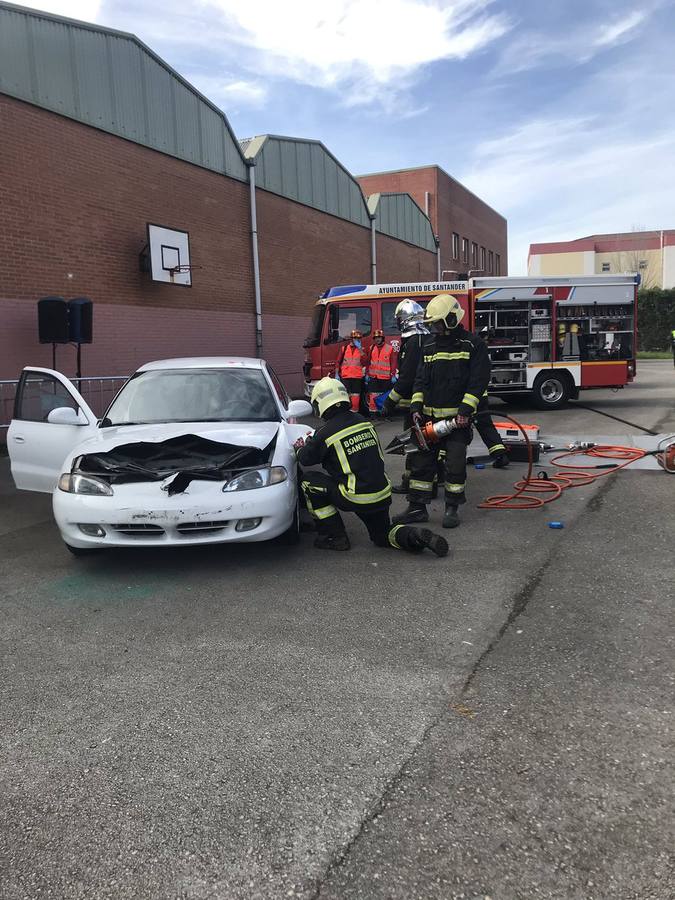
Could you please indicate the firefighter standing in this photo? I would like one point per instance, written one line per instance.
(408, 315)
(489, 434)
(354, 480)
(485, 426)
(351, 368)
(451, 380)
(672, 343)
(380, 371)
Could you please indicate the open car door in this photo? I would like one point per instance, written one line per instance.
(50, 419)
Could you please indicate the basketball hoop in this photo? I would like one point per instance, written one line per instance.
(177, 270)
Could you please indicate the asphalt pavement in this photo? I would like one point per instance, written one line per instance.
(259, 722)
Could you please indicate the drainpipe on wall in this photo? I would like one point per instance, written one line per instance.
(438, 258)
(373, 252)
(256, 264)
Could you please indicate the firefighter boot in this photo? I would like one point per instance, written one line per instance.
(451, 517)
(403, 487)
(435, 543)
(501, 461)
(338, 541)
(412, 514)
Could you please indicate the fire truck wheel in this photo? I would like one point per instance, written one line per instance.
(551, 391)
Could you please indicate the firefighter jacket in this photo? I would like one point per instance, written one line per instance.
(408, 360)
(452, 376)
(348, 448)
(381, 358)
(351, 362)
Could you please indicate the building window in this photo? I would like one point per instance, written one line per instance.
(474, 254)
(491, 261)
(455, 245)
(498, 264)
(483, 263)
(465, 250)
(605, 267)
(642, 264)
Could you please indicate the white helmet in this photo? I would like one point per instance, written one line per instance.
(409, 315)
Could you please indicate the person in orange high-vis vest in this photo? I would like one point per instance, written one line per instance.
(380, 370)
(351, 369)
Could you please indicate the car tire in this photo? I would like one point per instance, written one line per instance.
(291, 536)
(82, 551)
(551, 390)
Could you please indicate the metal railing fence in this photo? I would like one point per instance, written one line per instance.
(97, 391)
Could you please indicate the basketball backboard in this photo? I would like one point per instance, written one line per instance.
(169, 252)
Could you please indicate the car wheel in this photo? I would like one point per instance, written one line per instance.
(82, 551)
(551, 390)
(292, 536)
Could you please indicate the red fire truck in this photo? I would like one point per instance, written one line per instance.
(550, 337)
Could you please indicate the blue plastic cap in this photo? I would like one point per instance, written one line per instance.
(479, 466)
(555, 525)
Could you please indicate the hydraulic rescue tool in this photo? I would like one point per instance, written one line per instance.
(420, 437)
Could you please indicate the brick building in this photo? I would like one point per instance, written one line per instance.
(98, 138)
(470, 233)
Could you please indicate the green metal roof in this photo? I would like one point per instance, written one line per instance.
(307, 172)
(110, 80)
(400, 217)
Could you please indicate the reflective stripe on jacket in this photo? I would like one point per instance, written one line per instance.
(351, 365)
(348, 448)
(380, 362)
(453, 375)
(408, 360)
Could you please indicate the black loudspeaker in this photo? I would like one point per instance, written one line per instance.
(53, 320)
(80, 320)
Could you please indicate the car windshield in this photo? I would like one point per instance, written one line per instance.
(194, 395)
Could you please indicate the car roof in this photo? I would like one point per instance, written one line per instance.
(205, 362)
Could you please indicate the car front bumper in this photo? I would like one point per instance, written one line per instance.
(142, 515)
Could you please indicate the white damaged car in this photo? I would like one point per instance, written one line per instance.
(190, 451)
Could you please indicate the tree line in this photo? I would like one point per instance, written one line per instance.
(656, 318)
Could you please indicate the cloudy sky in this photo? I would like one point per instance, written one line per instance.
(559, 114)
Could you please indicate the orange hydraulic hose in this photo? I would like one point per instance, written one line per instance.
(527, 489)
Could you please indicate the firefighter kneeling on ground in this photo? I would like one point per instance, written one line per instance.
(451, 381)
(355, 481)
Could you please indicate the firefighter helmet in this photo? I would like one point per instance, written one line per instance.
(328, 392)
(378, 333)
(408, 315)
(356, 335)
(444, 308)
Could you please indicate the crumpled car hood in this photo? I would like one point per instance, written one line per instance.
(182, 457)
(243, 434)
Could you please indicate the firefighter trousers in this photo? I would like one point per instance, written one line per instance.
(488, 433)
(424, 467)
(354, 387)
(324, 502)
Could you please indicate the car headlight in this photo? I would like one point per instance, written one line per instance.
(84, 484)
(257, 478)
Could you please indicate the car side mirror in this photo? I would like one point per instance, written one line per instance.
(65, 415)
(298, 409)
